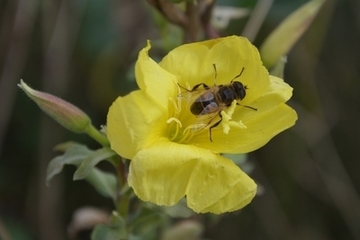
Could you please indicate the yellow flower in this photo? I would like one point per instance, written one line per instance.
(170, 150)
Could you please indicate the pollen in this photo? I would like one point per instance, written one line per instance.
(227, 121)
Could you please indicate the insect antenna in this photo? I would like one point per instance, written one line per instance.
(238, 75)
(215, 74)
(255, 109)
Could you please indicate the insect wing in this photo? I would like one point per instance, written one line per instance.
(205, 96)
(190, 96)
(204, 121)
(211, 108)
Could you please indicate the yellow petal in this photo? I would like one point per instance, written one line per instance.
(154, 80)
(166, 172)
(218, 185)
(186, 63)
(133, 122)
(278, 92)
(194, 63)
(259, 130)
(272, 117)
(280, 88)
(240, 54)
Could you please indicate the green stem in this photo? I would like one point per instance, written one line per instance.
(123, 206)
(98, 136)
(122, 201)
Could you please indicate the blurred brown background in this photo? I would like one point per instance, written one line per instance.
(84, 51)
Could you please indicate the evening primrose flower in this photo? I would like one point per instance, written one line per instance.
(171, 157)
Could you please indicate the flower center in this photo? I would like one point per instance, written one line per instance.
(179, 129)
(183, 125)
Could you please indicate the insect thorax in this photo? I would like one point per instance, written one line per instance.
(227, 94)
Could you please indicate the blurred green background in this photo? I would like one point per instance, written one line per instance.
(84, 52)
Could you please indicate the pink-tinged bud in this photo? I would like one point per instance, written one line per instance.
(66, 114)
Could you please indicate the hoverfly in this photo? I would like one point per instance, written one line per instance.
(211, 100)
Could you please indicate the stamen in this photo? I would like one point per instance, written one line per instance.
(227, 123)
(238, 124)
(177, 105)
(187, 134)
(178, 126)
(172, 119)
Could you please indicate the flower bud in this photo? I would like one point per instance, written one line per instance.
(66, 114)
(284, 37)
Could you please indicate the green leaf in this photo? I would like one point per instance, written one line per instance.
(177, 1)
(241, 161)
(284, 37)
(104, 183)
(179, 210)
(238, 159)
(89, 163)
(74, 155)
(116, 229)
(191, 230)
(62, 147)
(145, 223)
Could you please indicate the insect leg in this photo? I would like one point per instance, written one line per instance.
(215, 125)
(198, 85)
(203, 84)
(195, 87)
(206, 86)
